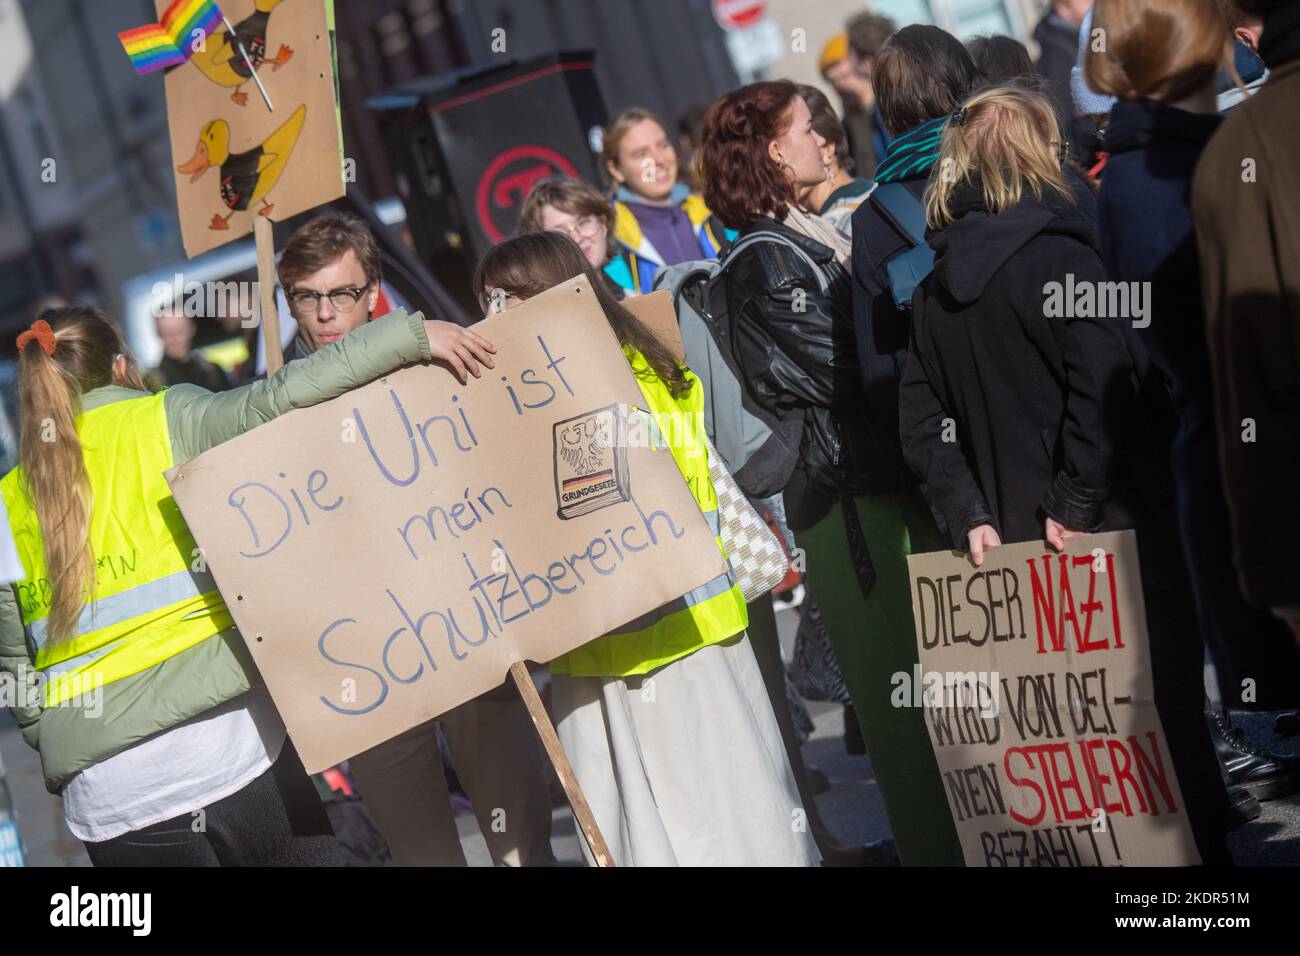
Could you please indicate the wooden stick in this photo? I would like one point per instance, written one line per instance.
(266, 283)
(559, 760)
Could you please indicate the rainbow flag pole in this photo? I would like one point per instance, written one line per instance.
(251, 69)
(156, 46)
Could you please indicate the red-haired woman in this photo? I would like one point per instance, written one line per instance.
(788, 293)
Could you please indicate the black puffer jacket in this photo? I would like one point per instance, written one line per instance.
(794, 333)
(1009, 413)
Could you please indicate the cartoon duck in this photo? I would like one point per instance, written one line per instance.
(220, 61)
(246, 177)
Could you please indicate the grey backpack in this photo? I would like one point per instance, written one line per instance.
(759, 448)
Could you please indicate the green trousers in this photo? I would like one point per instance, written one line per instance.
(874, 638)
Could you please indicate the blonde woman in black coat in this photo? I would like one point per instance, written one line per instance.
(1023, 420)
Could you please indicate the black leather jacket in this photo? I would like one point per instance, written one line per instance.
(796, 344)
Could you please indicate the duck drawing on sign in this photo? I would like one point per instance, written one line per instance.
(222, 63)
(246, 177)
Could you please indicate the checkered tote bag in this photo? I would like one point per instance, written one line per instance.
(756, 556)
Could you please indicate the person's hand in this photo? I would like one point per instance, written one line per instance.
(1055, 533)
(979, 539)
(1290, 616)
(463, 349)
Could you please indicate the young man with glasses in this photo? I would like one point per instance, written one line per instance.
(330, 274)
(329, 271)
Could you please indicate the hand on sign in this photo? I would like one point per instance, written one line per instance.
(463, 349)
(1055, 533)
(980, 538)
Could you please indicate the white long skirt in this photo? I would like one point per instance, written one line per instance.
(685, 766)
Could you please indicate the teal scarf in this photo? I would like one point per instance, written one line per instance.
(912, 154)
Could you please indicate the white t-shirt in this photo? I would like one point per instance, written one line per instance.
(180, 770)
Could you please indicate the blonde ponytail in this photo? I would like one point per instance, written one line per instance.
(74, 352)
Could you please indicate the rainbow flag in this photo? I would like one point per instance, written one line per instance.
(156, 46)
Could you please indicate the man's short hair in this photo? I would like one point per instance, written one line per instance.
(868, 33)
(922, 73)
(324, 239)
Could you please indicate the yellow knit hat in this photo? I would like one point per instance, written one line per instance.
(835, 50)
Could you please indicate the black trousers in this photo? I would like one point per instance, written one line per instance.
(276, 820)
(1178, 675)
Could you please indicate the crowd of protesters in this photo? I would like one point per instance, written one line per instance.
(884, 267)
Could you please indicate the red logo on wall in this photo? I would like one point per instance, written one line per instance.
(505, 183)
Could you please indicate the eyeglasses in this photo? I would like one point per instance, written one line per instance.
(343, 300)
(588, 227)
(1062, 150)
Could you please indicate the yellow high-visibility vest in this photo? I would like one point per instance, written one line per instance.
(153, 595)
(711, 613)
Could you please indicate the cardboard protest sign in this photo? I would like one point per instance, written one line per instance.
(656, 312)
(388, 554)
(234, 158)
(1035, 676)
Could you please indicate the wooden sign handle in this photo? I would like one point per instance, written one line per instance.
(545, 730)
(266, 283)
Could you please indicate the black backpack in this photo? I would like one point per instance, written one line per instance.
(759, 447)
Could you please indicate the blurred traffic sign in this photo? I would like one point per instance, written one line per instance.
(755, 47)
(738, 14)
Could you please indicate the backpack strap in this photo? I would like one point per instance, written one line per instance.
(902, 210)
(766, 235)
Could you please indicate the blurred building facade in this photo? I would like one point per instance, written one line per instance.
(68, 95)
(86, 181)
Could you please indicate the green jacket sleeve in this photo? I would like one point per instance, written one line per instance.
(199, 419)
(15, 662)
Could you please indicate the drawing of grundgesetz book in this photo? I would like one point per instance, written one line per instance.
(591, 462)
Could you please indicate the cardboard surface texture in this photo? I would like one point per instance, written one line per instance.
(656, 312)
(1035, 676)
(388, 554)
(235, 159)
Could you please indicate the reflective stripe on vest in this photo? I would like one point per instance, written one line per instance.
(149, 603)
(720, 585)
(133, 602)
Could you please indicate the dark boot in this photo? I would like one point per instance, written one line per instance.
(1265, 776)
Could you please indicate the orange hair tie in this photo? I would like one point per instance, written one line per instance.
(41, 332)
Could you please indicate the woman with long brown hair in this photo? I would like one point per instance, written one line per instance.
(151, 720)
(693, 773)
